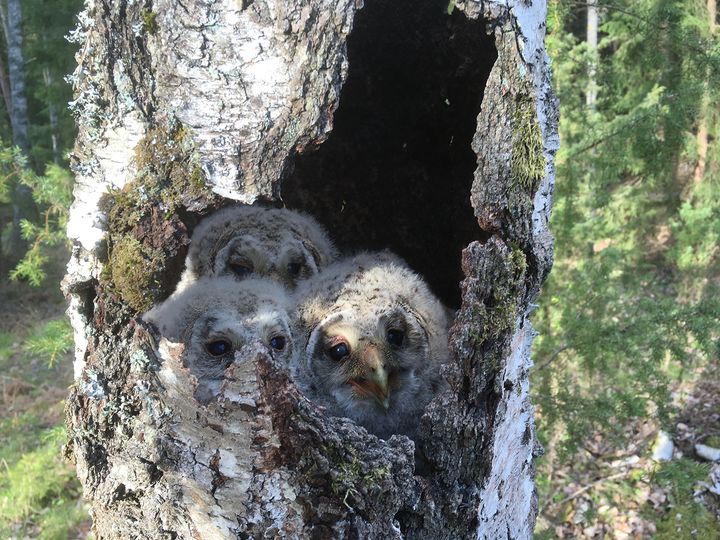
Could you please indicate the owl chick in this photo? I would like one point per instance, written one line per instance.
(214, 317)
(374, 338)
(240, 241)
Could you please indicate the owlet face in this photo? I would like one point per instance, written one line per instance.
(215, 318)
(375, 340)
(245, 241)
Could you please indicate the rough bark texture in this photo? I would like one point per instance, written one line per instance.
(185, 105)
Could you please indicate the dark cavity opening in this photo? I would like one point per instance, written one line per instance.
(397, 168)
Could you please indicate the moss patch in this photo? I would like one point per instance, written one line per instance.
(149, 22)
(527, 164)
(147, 239)
(132, 271)
(498, 312)
(352, 478)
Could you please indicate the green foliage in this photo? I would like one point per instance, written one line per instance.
(6, 345)
(14, 171)
(632, 298)
(52, 192)
(50, 341)
(37, 488)
(49, 57)
(681, 475)
(687, 519)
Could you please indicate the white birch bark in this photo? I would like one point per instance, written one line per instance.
(224, 94)
(592, 42)
(16, 73)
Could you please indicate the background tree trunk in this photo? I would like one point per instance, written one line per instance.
(702, 129)
(369, 118)
(592, 42)
(22, 201)
(16, 72)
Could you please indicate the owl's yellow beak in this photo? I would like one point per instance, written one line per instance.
(374, 381)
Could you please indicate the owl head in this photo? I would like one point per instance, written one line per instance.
(244, 241)
(215, 317)
(373, 338)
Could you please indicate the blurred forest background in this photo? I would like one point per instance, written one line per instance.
(629, 318)
(626, 377)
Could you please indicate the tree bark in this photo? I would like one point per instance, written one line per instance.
(592, 42)
(5, 87)
(184, 106)
(702, 130)
(22, 201)
(16, 72)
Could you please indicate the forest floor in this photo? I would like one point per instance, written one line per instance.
(615, 489)
(40, 497)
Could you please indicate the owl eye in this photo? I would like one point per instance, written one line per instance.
(294, 268)
(395, 337)
(339, 351)
(218, 347)
(278, 343)
(241, 268)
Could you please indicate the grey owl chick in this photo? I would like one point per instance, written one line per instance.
(372, 339)
(241, 241)
(214, 317)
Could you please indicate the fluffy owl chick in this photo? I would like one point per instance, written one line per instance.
(241, 241)
(373, 338)
(214, 317)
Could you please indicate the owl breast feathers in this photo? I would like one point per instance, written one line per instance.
(371, 339)
(215, 317)
(243, 241)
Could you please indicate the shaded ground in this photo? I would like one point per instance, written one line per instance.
(39, 494)
(613, 490)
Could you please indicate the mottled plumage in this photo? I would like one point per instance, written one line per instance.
(241, 241)
(372, 338)
(214, 317)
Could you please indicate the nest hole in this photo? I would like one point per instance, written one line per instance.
(397, 168)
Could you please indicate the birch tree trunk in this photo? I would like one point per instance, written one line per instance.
(592, 42)
(16, 72)
(22, 201)
(418, 126)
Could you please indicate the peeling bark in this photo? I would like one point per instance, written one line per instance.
(184, 105)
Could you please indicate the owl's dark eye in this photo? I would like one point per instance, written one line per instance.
(218, 347)
(241, 268)
(278, 343)
(294, 268)
(339, 351)
(395, 337)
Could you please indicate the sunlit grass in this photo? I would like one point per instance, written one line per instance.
(686, 518)
(38, 489)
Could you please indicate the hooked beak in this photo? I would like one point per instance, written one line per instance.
(374, 381)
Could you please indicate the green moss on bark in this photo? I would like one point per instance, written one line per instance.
(527, 164)
(146, 235)
(149, 22)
